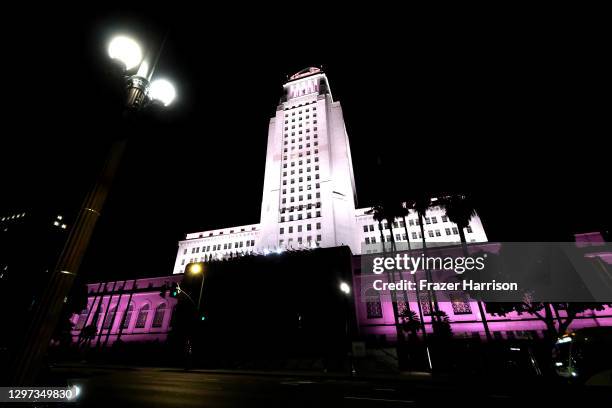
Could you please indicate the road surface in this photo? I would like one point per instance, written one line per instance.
(159, 387)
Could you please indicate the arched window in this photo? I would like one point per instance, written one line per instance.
(158, 318)
(110, 317)
(373, 306)
(98, 315)
(128, 316)
(142, 317)
(82, 319)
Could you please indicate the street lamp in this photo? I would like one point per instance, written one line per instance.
(141, 90)
(346, 290)
(162, 90)
(29, 358)
(125, 50)
(196, 269)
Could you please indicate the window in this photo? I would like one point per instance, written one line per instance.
(430, 233)
(142, 317)
(282, 230)
(318, 225)
(110, 317)
(447, 230)
(425, 305)
(438, 233)
(444, 218)
(365, 228)
(434, 220)
(367, 240)
(373, 305)
(371, 227)
(158, 318)
(468, 229)
(460, 303)
(82, 318)
(455, 230)
(128, 316)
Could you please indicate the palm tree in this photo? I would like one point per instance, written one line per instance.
(460, 210)
(403, 213)
(421, 205)
(379, 214)
(391, 211)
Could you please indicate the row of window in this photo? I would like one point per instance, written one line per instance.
(210, 234)
(217, 247)
(411, 222)
(300, 147)
(316, 159)
(417, 235)
(111, 315)
(300, 138)
(299, 240)
(308, 152)
(301, 179)
(299, 228)
(299, 217)
(300, 198)
(300, 105)
(459, 302)
(300, 132)
(300, 154)
(314, 109)
(301, 170)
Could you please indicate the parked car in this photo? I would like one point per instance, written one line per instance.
(583, 356)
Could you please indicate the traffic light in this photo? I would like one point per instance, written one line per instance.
(175, 290)
(163, 290)
(202, 318)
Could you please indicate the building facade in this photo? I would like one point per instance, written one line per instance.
(309, 200)
(309, 197)
(133, 310)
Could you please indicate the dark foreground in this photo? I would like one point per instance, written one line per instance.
(165, 387)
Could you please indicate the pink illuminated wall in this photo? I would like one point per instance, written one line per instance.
(147, 320)
(466, 321)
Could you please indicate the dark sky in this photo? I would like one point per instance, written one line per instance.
(514, 115)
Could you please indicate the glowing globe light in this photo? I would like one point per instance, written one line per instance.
(344, 287)
(163, 91)
(125, 50)
(195, 268)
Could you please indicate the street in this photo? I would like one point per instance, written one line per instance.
(168, 387)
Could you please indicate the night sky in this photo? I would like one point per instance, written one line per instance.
(514, 116)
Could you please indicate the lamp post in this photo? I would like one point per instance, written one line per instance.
(196, 269)
(346, 290)
(140, 92)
